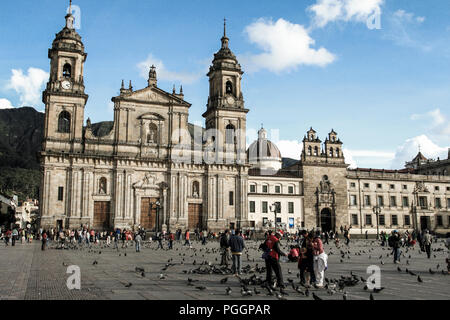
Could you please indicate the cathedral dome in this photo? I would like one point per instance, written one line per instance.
(263, 153)
(68, 37)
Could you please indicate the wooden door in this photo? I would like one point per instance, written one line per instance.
(101, 215)
(148, 213)
(195, 217)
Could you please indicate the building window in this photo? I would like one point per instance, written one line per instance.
(440, 221)
(253, 188)
(368, 219)
(393, 201)
(331, 152)
(382, 221)
(316, 151)
(309, 151)
(353, 201)
(265, 189)
(277, 189)
(367, 201)
(395, 220)
(380, 201)
(354, 219)
(102, 186)
(196, 189)
(252, 207)
(229, 87)
(423, 202)
(392, 187)
(64, 122)
(405, 187)
(366, 185)
(231, 198)
(448, 203)
(438, 203)
(338, 153)
(405, 202)
(152, 133)
(265, 207)
(352, 185)
(229, 134)
(379, 186)
(60, 193)
(407, 220)
(67, 71)
(291, 190)
(291, 207)
(436, 189)
(265, 221)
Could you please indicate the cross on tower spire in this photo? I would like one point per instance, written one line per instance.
(225, 38)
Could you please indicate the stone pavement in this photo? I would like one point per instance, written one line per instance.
(27, 273)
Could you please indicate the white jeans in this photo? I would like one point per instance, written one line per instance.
(319, 268)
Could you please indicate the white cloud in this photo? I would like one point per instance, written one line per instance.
(326, 11)
(407, 151)
(5, 104)
(403, 30)
(368, 158)
(164, 74)
(28, 86)
(290, 149)
(285, 46)
(436, 122)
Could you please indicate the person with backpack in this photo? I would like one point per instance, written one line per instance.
(225, 248)
(273, 260)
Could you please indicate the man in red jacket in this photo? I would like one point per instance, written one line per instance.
(273, 260)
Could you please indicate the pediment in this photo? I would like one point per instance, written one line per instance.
(153, 95)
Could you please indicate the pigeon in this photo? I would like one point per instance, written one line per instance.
(224, 280)
(64, 264)
(431, 271)
(316, 297)
(299, 291)
(345, 296)
(228, 291)
(280, 297)
(162, 277)
(256, 291)
(201, 288)
(128, 285)
(143, 274)
(399, 269)
(95, 263)
(375, 290)
(371, 297)
(125, 254)
(419, 279)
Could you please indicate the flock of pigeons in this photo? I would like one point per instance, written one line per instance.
(203, 262)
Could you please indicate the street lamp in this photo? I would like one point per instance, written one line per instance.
(377, 211)
(157, 207)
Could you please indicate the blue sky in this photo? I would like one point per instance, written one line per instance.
(308, 63)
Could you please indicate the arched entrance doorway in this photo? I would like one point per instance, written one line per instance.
(326, 220)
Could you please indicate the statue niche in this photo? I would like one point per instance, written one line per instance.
(151, 133)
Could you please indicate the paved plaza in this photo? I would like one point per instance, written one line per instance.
(28, 273)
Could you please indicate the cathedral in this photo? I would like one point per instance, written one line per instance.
(156, 171)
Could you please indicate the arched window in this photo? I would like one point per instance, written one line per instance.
(338, 153)
(230, 131)
(316, 151)
(331, 152)
(152, 133)
(67, 70)
(229, 87)
(64, 122)
(196, 189)
(102, 186)
(309, 151)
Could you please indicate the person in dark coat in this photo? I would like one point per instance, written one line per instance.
(273, 246)
(306, 259)
(237, 246)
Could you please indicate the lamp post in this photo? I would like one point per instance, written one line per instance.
(377, 211)
(275, 208)
(157, 206)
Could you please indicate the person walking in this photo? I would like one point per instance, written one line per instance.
(237, 246)
(320, 261)
(394, 243)
(137, 241)
(306, 260)
(44, 240)
(124, 238)
(7, 237)
(187, 237)
(14, 236)
(159, 237)
(171, 239)
(347, 236)
(225, 248)
(273, 260)
(427, 241)
(204, 237)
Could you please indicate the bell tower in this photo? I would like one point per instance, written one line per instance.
(225, 109)
(65, 97)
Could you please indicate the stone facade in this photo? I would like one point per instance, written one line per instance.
(157, 171)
